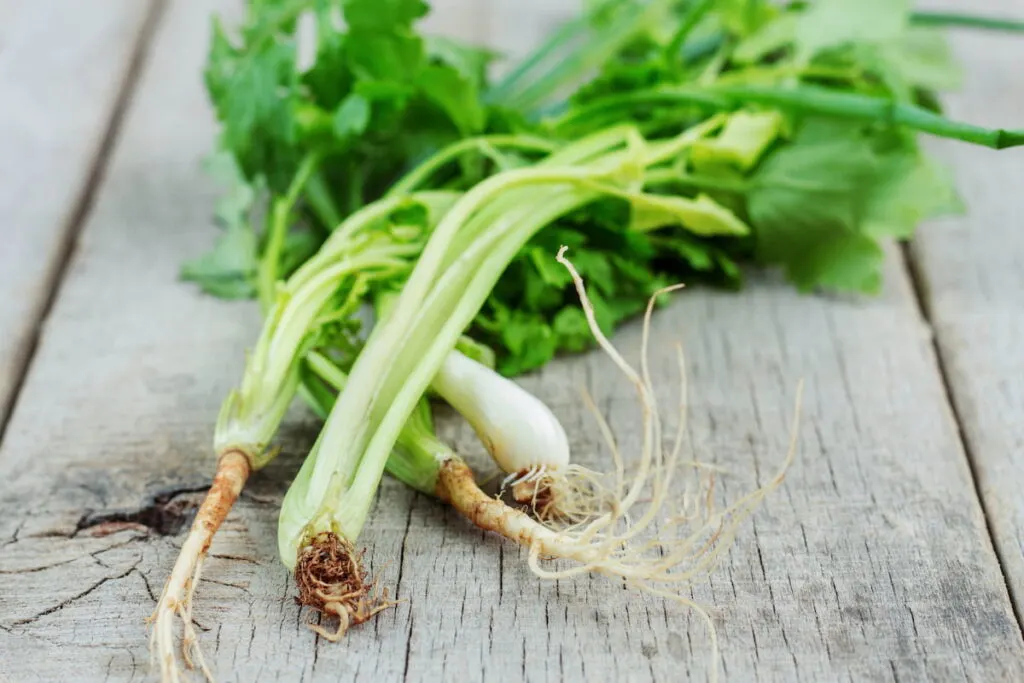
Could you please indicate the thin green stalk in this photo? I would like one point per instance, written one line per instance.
(266, 282)
(600, 145)
(318, 196)
(555, 40)
(783, 71)
(277, 231)
(670, 175)
(617, 106)
(924, 18)
(702, 48)
(805, 99)
(287, 13)
(421, 173)
(595, 52)
(689, 22)
(818, 100)
(713, 69)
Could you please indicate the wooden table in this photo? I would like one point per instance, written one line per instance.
(893, 552)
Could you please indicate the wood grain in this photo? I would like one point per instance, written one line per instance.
(871, 563)
(971, 273)
(63, 65)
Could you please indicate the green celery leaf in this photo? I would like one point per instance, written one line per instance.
(251, 90)
(835, 23)
(530, 340)
(456, 95)
(235, 204)
(571, 327)
(771, 37)
(383, 15)
(596, 268)
(385, 91)
(807, 205)
(922, 57)
(329, 78)
(910, 189)
(843, 261)
(352, 116)
(695, 254)
(228, 270)
(745, 17)
(378, 56)
(537, 292)
(468, 61)
(265, 17)
(551, 272)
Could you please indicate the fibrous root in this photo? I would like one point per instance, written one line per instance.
(332, 580)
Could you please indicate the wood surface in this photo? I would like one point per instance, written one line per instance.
(872, 562)
(971, 275)
(63, 68)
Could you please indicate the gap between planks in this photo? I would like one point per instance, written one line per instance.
(925, 275)
(919, 287)
(68, 238)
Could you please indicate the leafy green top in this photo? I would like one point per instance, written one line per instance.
(818, 161)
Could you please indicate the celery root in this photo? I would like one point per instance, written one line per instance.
(233, 469)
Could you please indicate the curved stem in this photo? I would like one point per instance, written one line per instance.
(419, 174)
(277, 231)
(690, 20)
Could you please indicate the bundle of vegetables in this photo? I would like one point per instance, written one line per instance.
(697, 137)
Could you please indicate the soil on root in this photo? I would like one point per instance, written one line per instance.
(539, 495)
(332, 580)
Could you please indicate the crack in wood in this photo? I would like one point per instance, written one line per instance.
(166, 513)
(74, 598)
(145, 581)
(919, 288)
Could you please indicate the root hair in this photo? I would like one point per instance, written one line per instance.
(332, 581)
(631, 528)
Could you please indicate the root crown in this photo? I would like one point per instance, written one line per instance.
(332, 580)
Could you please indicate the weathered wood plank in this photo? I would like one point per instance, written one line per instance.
(971, 272)
(872, 563)
(881, 497)
(63, 65)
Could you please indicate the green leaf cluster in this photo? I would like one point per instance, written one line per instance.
(815, 166)
(377, 98)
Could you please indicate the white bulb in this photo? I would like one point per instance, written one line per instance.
(518, 429)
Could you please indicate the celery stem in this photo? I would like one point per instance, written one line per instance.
(281, 207)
